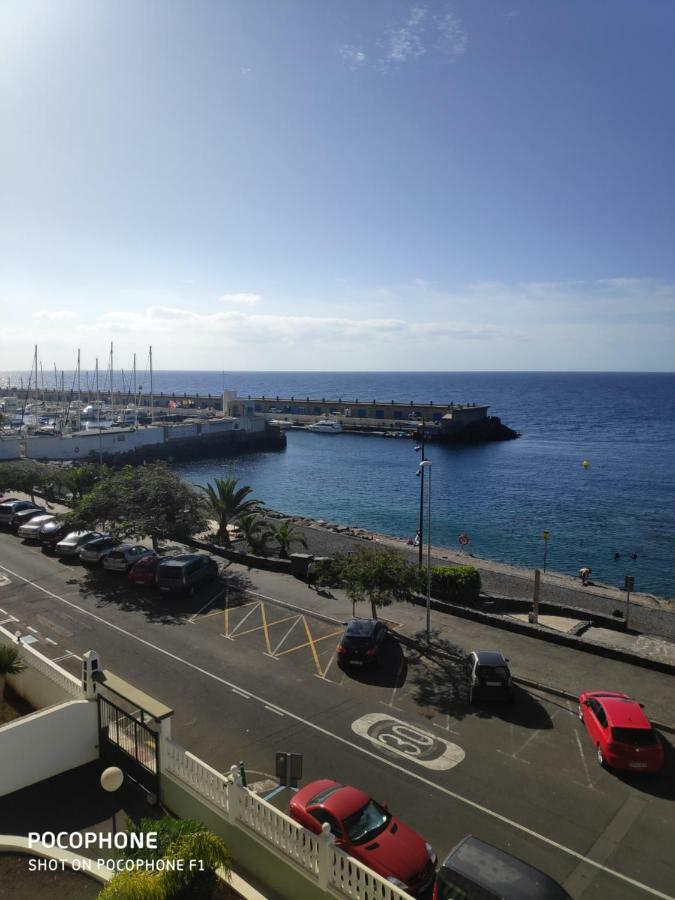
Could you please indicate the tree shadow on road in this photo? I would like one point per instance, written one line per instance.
(113, 588)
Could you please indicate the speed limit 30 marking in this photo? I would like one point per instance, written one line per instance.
(408, 741)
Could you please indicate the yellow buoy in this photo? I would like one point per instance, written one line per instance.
(585, 464)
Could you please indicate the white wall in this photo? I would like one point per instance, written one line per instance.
(43, 683)
(47, 743)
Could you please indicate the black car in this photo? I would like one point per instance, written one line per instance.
(362, 642)
(476, 870)
(489, 675)
(184, 574)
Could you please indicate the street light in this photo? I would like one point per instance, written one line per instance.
(421, 528)
(426, 464)
(111, 781)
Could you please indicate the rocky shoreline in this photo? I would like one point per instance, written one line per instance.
(326, 538)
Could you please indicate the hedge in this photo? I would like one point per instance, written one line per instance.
(457, 584)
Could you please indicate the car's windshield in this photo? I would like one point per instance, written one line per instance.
(367, 823)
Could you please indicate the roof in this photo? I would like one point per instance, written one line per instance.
(363, 627)
(506, 876)
(490, 657)
(122, 688)
(179, 560)
(624, 713)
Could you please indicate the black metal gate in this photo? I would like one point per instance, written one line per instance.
(129, 743)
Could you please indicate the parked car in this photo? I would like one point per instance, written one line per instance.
(8, 499)
(96, 551)
(362, 642)
(184, 574)
(72, 543)
(144, 572)
(30, 531)
(489, 675)
(51, 533)
(122, 557)
(11, 507)
(366, 830)
(25, 515)
(621, 733)
(475, 870)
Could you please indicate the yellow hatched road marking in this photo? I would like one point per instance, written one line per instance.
(241, 622)
(311, 642)
(267, 634)
(265, 624)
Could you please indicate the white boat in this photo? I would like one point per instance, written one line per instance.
(280, 423)
(325, 426)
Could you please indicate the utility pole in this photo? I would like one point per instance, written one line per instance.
(421, 528)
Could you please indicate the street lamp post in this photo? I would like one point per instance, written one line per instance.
(111, 781)
(426, 464)
(420, 447)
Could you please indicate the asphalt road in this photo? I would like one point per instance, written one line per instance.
(249, 677)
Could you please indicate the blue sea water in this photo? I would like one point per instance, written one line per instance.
(502, 495)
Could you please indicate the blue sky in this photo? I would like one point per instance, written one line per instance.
(293, 184)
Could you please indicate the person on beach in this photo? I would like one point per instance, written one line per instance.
(584, 573)
(416, 540)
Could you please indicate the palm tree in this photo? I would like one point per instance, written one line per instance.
(10, 664)
(227, 502)
(286, 535)
(256, 534)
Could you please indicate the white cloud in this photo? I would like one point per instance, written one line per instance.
(54, 315)
(241, 299)
(354, 56)
(453, 37)
(407, 41)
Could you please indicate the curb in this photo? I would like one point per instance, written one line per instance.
(11, 843)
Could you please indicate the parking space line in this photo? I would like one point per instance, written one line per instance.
(311, 643)
(50, 641)
(241, 693)
(239, 624)
(266, 625)
(227, 611)
(583, 759)
(213, 599)
(273, 709)
(297, 619)
(264, 620)
(10, 619)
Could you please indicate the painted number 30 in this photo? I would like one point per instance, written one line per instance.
(395, 736)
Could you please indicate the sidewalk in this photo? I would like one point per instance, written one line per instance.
(559, 667)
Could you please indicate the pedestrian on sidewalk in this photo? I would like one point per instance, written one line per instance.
(584, 573)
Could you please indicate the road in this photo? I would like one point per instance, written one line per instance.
(249, 677)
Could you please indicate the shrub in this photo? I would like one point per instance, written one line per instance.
(457, 584)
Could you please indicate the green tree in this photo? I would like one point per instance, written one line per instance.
(379, 576)
(10, 664)
(286, 535)
(228, 502)
(80, 480)
(177, 839)
(256, 534)
(142, 501)
(24, 476)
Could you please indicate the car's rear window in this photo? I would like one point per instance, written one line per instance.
(325, 793)
(636, 737)
(492, 671)
(170, 572)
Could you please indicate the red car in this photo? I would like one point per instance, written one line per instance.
(144, 572)
(367, 830)
(620, 731)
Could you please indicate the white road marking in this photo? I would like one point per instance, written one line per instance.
(192, 618)
(408, 741)
(583, 760)
(241, 693)
(50, 641)
(34, 630)
(380, 760)
(239, 624)
(274, 710)
(9, 619)
(286, 635)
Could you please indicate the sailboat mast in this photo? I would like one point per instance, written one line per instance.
(152, 393)
(112, 395)
(135, 397)
(79, 392)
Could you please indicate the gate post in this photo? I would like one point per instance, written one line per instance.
(90, 669)
(325, 843)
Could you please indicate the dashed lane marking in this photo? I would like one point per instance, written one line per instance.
(241, 693)
(380, 760)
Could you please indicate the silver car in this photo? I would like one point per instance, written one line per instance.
(31, 530)
(75, 541)
(124, 556)
(10, 507)
(96, 551)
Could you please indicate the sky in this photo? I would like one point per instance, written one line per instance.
(486, 185)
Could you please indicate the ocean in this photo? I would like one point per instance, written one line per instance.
(504, 495)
